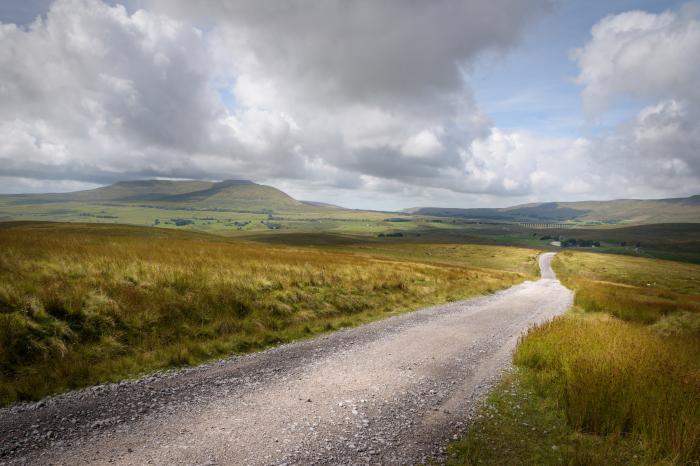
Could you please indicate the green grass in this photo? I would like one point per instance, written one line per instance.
(522, 423)
(85, 304)
(263, 211)
(631, 288)
(223, 221)
(616, 380)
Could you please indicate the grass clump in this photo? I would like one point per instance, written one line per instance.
(617, 377)
(522, 423)
(87, 304)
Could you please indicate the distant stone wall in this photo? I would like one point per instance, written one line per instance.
(558, 226)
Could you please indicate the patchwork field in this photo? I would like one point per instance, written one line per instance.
(614, 381)
(87, 303)
(239, 208)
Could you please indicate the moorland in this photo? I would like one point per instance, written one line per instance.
(136, 277)
(82, 304)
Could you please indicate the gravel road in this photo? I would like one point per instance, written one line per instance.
(392, 392)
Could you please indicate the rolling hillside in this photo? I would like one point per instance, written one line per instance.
(241, 205)
(216, 207)
(229, 194)
(621, 211)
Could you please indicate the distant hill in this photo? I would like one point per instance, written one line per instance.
(322, 204)
(229, 194)
(621, 211)
(142, 201)
(122, 191)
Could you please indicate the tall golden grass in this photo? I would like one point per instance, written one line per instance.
(628, 362)
(647, 291)
(81, 305)
(617, 378)
(632, 303)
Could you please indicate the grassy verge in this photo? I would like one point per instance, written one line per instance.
(614, 381)
(522, 423)
(83, 304)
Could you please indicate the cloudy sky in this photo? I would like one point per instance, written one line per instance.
(371, 104)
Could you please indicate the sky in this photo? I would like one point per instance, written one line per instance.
(369, 104)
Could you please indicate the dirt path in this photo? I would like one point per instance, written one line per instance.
(392, 392)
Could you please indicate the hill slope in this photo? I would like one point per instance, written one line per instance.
(625, 211)
(241, 193)
(229, 194)
(122, 191)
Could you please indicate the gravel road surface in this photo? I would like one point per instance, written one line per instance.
(392, 392)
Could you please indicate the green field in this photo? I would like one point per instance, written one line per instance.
(227, 208)
(227, 222)
(614, 381)
(240, 208)
(87, 303)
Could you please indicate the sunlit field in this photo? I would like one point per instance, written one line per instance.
(82, 304)
(614, 381)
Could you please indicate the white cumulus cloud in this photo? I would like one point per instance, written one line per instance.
(336, 97)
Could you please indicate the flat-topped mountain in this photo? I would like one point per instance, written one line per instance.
(228, 194)
(632, 211)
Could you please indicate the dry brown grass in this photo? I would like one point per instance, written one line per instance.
(86, 304)
(635, 289)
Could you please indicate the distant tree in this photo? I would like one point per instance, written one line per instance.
(571, 242)
(180, 222)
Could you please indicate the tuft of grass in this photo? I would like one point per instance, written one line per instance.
(81, 305)
(679, 324)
